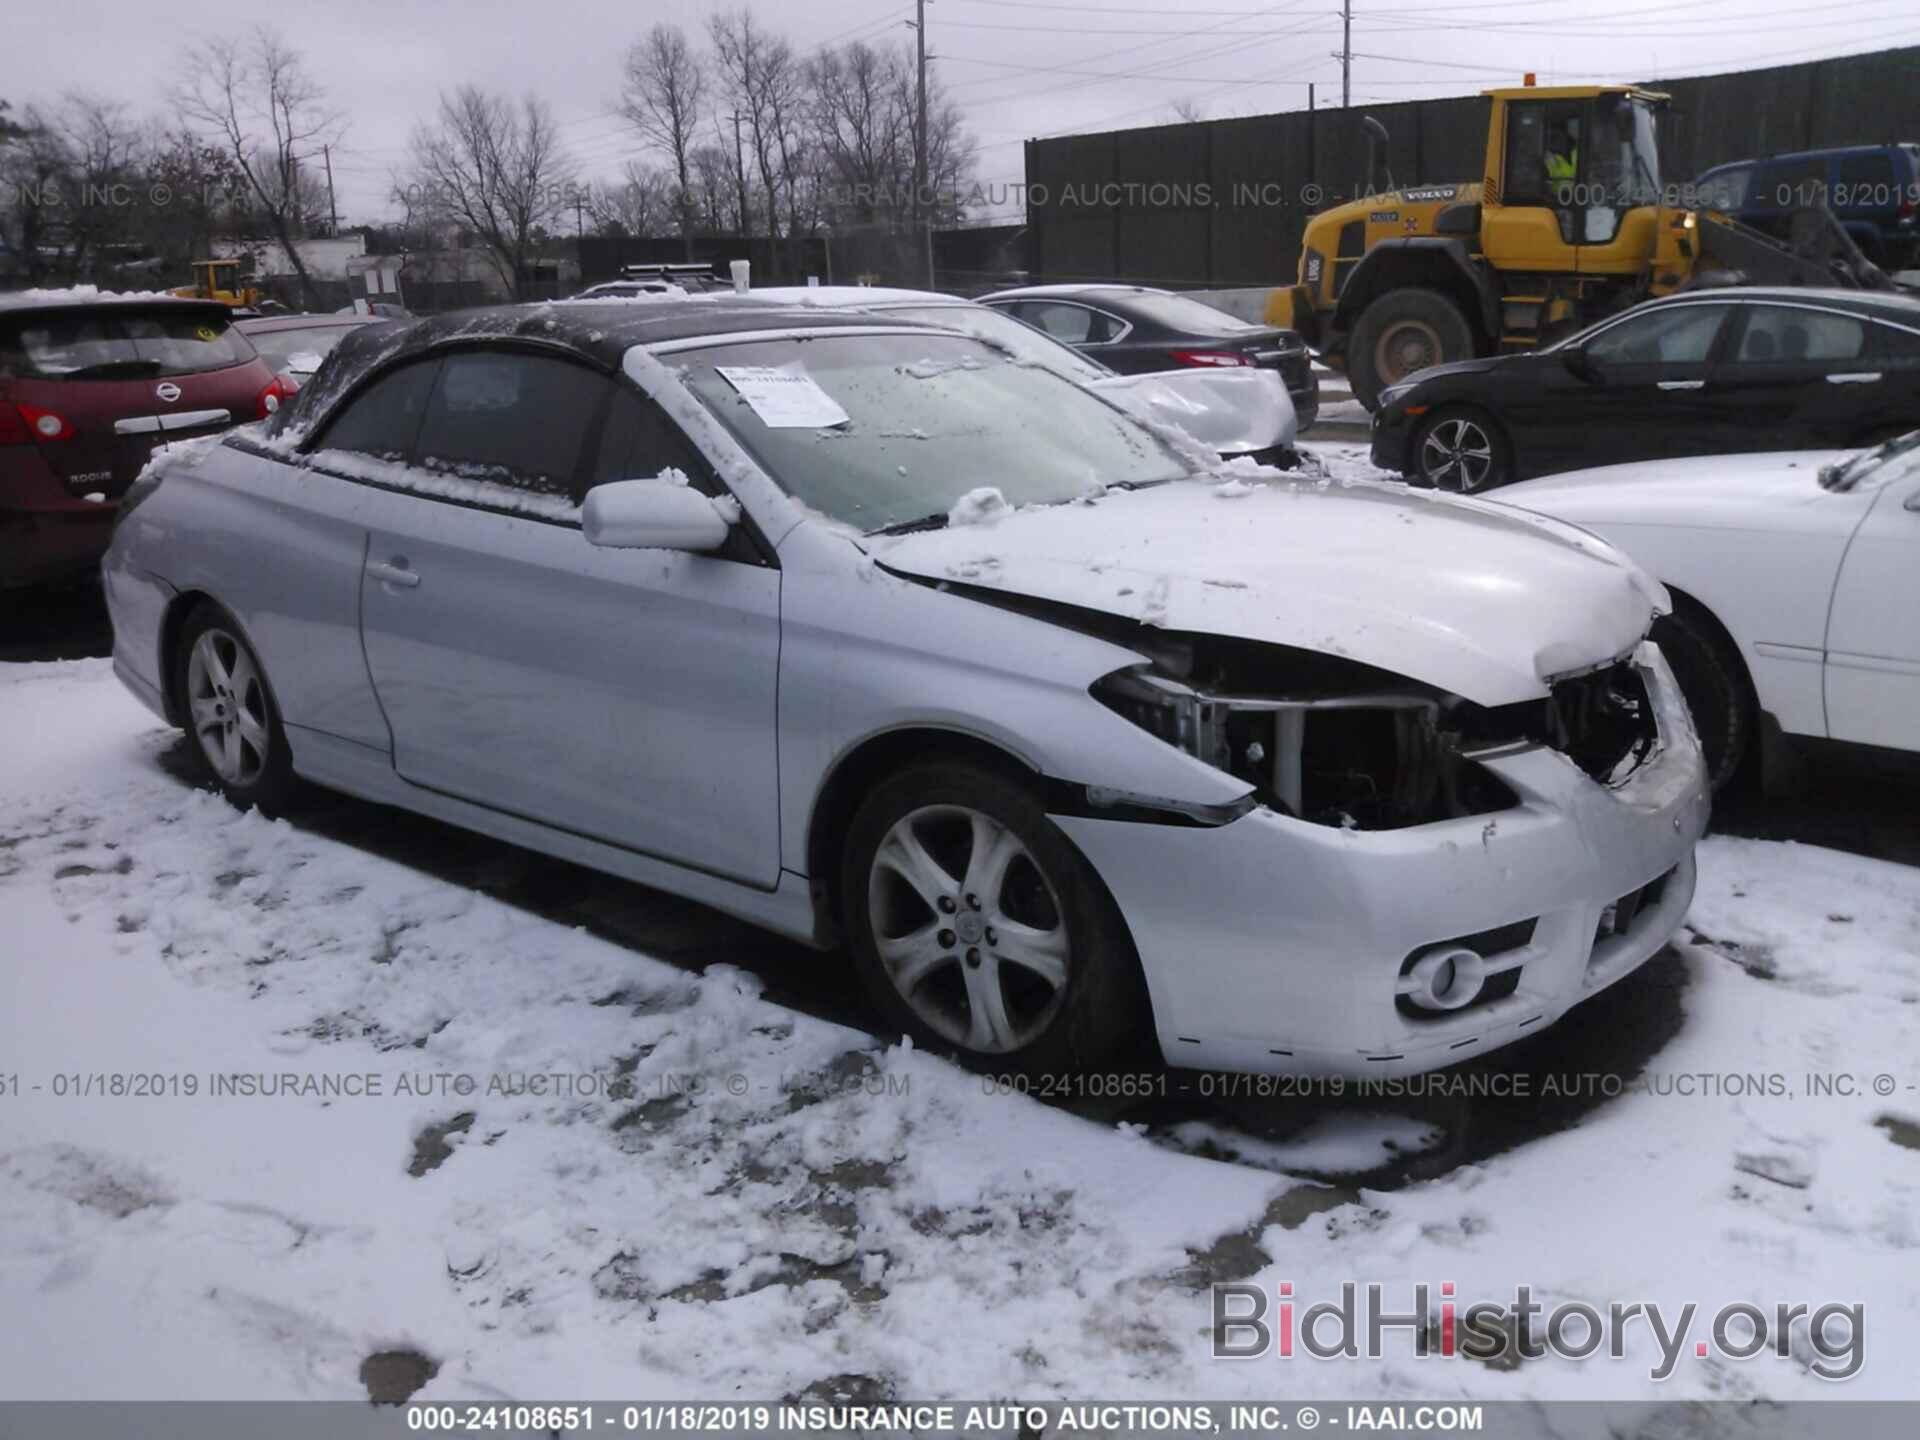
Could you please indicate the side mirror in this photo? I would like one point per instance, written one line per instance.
(652, 515)
(1577, 363)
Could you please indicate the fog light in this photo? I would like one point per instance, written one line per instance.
(1445, 978)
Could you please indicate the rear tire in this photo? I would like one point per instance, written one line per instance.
(980, 931)
(1400, 332)
(235, 740)
(1714, 683)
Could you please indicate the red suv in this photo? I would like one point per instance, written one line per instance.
(90, 386)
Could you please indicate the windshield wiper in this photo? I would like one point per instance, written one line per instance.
(935, 521)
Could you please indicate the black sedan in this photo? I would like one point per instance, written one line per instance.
(1702, 373)
(1134, 329)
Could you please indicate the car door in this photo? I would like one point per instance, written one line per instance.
(1873, 626)
(624, 695)
(1643, 390)
(1795, 377)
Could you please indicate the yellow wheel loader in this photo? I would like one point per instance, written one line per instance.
(1570, 221)
(221, 280)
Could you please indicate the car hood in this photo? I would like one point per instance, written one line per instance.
(1232, 412)
(1481, 600)
(1478, 366)
(1775, 491)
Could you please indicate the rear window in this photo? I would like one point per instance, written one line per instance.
(1177, 312)
(309, 342)
(118, 343)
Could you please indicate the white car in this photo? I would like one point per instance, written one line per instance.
(1796, 585)
(1239, 411)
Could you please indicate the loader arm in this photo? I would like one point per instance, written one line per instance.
(1818, 252)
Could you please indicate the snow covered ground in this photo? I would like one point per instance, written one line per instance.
(711, 1195)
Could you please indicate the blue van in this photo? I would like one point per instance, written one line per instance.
(1873, 191)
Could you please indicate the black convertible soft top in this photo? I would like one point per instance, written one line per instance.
(599, 333)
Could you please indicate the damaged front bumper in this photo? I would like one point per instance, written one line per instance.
(1275, 945)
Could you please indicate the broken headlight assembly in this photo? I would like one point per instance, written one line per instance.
(1345, 745)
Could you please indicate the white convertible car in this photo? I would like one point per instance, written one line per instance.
(1796, 586)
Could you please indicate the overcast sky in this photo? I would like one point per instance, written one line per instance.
(1018, 67)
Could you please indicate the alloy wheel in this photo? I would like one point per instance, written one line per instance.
(1457, 455)
(968, 928)
(228, 706)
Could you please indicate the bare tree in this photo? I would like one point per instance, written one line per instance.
(757, 76)
(713, 186)
(104, 149)
(255, 95)
(859, 125)
(645, 201)
(35, 169)
(1187, 110)
(666, 86)
(201, 184)
(495, 168)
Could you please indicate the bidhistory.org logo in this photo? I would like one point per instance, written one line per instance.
(1249, 1324)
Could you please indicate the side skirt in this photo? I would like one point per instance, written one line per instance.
(367, 773)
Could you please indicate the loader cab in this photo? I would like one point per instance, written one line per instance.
(1573, 180)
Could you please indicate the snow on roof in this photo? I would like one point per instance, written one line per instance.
(1079, 287)
(77, 295)
(857, 296)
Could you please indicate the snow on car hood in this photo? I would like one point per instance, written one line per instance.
(1231, 411)
(1483, 601)
(1774, 491)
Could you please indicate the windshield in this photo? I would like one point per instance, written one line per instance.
(877, 430)
(1177, 312)
(999, 328)
(102, 342)
(1875, 465)
(310, 343)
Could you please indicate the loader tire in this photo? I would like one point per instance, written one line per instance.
(1401, 332)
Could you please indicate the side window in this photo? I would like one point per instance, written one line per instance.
(1543, 150)
(1866, 182)
(1792, 184)
(1681, 335)
(1789, 335)
(501, 417)
(1902, 347)
(1726, 189)
(638, 442)
(1072, 324)
(384, 419)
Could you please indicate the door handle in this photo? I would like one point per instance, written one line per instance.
(1854, 377)
(1683, 384)
(395, 573)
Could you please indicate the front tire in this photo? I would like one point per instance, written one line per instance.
(1401, 332)
(981, 931)
(1714, 683)
(1461, 449)
(234, 736)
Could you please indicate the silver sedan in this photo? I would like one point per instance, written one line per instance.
(869, 634)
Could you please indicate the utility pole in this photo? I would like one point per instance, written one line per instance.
(921, 209)
(740, 175)
(1346, 53)
(333, 210)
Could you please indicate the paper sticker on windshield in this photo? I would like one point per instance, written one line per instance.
(783, 399)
